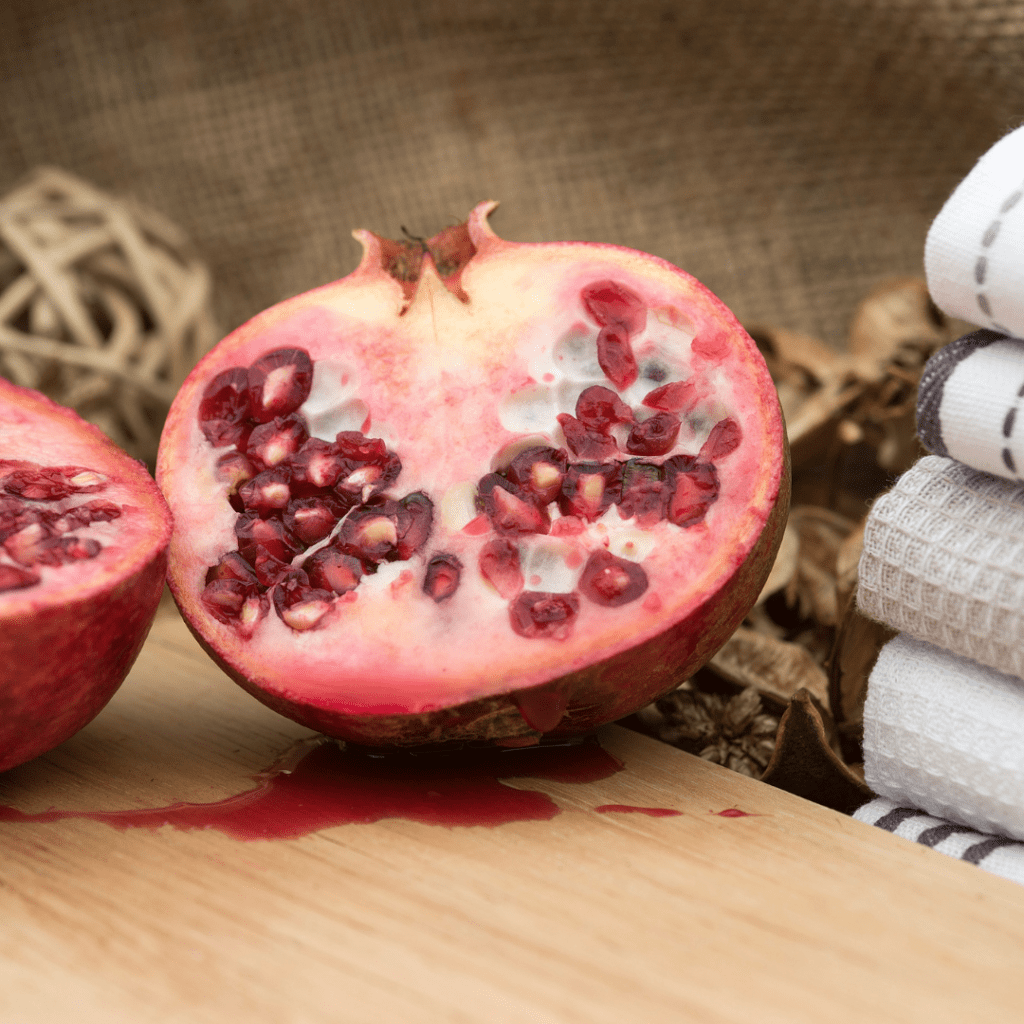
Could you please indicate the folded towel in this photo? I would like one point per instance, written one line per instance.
(974, 252)
(997, 854)
(946, 734)
(943, 560)
(970, 403)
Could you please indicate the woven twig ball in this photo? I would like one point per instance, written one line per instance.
(103, 306)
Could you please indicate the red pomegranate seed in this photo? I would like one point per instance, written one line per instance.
(225, 410)
(674, 397)
(615, 357)
(612, 304)
(655, 435)
(415, 521)
(333, 570)
(611, 581)
(499, 565)
(270, 570)
(14, 577)
(590, 489)
(89, 512)
(271, 443)
(724, 438)
(279, 382)
(508, 511)
(52, 483)
(536, 615)
(318, 463)
(232, 566)
(225, 599)
(299, 605)
(643, 492)
(693, 488)
(370, 533)
(599, 408)
(354, 445)
(444, 572)
(586, 443)
(313, 519)
(234, 469)
(539, 472)
(270, 535)
(266, 493)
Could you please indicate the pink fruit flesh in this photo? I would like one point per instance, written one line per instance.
(512, 532)
(83, 552)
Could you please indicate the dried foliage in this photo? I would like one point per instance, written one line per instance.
(805, 652)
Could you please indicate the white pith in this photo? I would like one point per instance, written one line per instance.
(439, 385)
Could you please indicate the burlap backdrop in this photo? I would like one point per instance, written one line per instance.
(787, 152)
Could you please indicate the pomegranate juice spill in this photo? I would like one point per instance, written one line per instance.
(330, 786)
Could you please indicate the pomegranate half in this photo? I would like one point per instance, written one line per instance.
(83, 554)
(476, 490)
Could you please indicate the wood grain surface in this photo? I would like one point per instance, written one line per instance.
(793, 913)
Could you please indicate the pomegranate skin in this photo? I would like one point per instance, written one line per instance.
(445, 355)
(67, 643)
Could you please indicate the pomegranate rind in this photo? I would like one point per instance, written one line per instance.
(66, 645)
(445, 672)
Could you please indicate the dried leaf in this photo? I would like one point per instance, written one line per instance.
(897, 313)
(804, 764)
(785, 563)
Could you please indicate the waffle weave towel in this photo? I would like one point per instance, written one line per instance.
(974, 252)
(943, 561)
(970, 403)
(996, 854)
(946, 734)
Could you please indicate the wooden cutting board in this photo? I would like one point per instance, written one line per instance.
(790, 913)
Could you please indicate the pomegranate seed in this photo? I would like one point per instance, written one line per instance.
(13, 577)
(89, 512)
(586, 443)
(313, 519)
(266, 493)
(225, 410)
(370, 533)
(270, 535)
(415, 521)
(539, 472)
(599, 408)
(693, 488)
(51, 483)
(643, 492)
(234, 469)
(223, 598)
(271, 443)
(590, 489)
(611, 581)
(444, 572)
(611, 304)
(615, 357)
(537, 615)
(299, 605)
(654, 436)
(279, 382)
(359, 448)
(499, 565)
(724, 438)
(333, 570)
(672, 397)
(508, 511)
(232, 566)
(318, 463)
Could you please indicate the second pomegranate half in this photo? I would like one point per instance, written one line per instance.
(476, 490)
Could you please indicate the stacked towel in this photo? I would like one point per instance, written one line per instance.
(943, 558)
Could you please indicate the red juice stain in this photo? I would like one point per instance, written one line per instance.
(654, 812)
(331, 786)
(734, 812)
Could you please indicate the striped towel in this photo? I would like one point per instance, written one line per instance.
(996, 854)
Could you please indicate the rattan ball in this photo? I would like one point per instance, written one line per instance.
(103, 305)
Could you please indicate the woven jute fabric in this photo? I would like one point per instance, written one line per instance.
(789, 153)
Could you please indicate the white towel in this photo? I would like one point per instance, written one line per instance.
(946, 735)
(996, 854)
(974, 252)
(943, 560)
(970, 403)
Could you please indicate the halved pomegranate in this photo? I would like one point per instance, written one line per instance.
(83, 553)
(482, 490)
